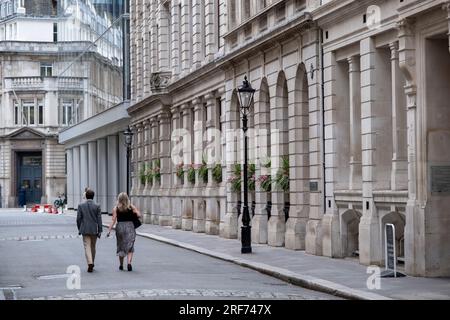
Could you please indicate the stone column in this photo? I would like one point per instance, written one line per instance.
(399, 173)
(355, 123)
(211, 21)
(122, 162)
(176, 182)
(262, 126)
(70, 179)
(212, 192)
(369, 229)
(175, 43)
(187, 213)
(155, 191)
(414, 239)
(229, 223)
(92, 167)
(313, 239)
(140, 164)
(165, 218)
(102, 174)
(146, 47)
(331, 243)
(134, 170)
(139, 46)
(113, 171)
(163, 37)
(84, 169)
(146, 209)
(186, 37)
(154, 38)
(133, 30)
(199, 205)
(76, 177)
(198, 34)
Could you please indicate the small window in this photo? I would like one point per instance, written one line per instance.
(46, 69)
(40, 112)
(55, 32)
(16, 113)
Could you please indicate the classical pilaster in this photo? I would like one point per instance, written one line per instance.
(198, 38)
(155, 191)
(331, 242)
(92, 167)
(165, 218)
(154, 50)
(69, 179)
(133, 9)
(414, 226)
(186, 36)
(355, 123)
(175, 43)
(84, 167)
(212, 218)
(187, 215)
(139, 49)
(76, 177)
(211, 29)
(146, 47)
(146, 209)
(102, 174)
(369, 228)
(176, 181)
(113, 171)
(163, 17)
(399, 171)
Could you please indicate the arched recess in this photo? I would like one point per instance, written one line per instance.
(299, 162)
(279, 149)
(263, 200)
(398, 220)
(350, 232)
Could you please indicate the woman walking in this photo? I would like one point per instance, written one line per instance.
(124, 213)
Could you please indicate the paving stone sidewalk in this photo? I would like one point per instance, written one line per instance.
(342, 277)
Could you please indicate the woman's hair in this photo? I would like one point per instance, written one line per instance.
(123, 202)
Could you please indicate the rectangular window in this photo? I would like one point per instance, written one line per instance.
(67, 109)
(28, 112)
(40, 112)
(16, 113)
(46, 69)
(55, 32)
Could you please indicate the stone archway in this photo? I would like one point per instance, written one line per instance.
(350, 232)
(398, 220)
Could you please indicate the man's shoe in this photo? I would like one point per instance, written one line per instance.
(90, 268)
(130, 268)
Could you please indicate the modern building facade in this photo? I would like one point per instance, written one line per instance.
(44, 88)
(352, 93)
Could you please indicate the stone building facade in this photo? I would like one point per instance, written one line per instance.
(352, 93)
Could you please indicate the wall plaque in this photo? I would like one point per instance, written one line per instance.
(313, 186)
(440, 179)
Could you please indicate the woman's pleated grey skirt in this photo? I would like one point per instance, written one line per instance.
(126, 235)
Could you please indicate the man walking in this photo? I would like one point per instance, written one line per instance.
(89, 223)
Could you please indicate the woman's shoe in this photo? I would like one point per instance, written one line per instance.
(120, 267)
(129, 267)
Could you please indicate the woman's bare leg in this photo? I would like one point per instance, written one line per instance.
(130, 257)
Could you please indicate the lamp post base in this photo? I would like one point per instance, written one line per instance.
(246, 238)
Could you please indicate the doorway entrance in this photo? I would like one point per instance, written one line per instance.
(29, 177)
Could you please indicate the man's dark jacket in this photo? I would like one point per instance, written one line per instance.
(89, 218)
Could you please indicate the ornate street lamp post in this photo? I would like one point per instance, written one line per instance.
(245, 93)
(128, 141)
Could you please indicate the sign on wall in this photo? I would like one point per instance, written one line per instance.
(390, 254)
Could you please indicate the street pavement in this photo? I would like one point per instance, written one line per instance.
(38, 248)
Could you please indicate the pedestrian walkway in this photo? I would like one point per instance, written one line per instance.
(342, 277)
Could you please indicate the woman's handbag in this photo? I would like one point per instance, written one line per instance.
(137, 223)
